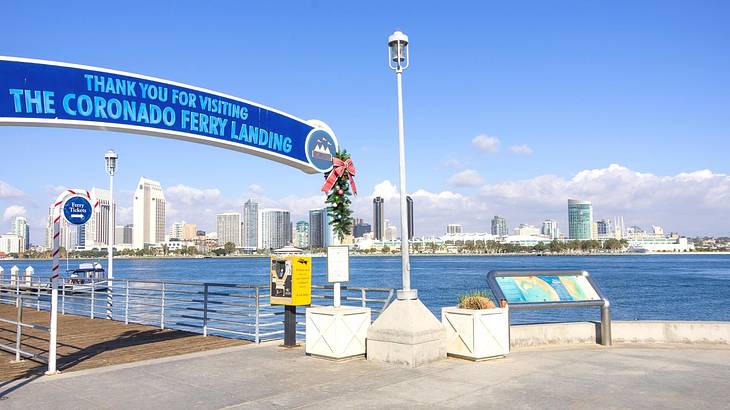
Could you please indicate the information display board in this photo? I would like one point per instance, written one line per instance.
(338, 264)
(547, 288)
(291, 280)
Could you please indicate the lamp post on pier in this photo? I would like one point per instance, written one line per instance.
(111, 167)
(398, 60)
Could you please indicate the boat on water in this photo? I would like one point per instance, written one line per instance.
(86, 277)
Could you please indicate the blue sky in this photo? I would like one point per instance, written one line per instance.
(509, 108)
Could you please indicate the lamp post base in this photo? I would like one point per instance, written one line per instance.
(406, 333)
(409, 294)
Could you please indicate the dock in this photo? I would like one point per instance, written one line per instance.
(85, 343)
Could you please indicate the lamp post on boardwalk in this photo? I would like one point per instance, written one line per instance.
(398, 60)
(111, 168)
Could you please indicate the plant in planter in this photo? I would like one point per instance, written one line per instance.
(476, 329)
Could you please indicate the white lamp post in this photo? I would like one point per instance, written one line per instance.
(398, 60)
(111, 168)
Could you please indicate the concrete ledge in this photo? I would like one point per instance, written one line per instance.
(624, 332)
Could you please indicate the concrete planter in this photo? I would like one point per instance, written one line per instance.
(337, 333)
(476, 334)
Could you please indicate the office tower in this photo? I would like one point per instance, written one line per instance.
(11, 243)
(526, 230)
(603, 229)
(317, 230)
(390, 232)
(580, 219)
(302, 234)
(360, 229)
(378, 218)
(176, 230)
(251, 224)
(550, 229)
(409, 207)
(149, 214)
(22, 229)
(275, 228)
(123, 235)
(499, 226)
(96, 231)
(453, 229)
(189, 232)
(229, 228)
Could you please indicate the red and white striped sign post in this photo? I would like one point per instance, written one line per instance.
(56, 265)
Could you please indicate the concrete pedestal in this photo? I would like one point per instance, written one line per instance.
(337, 333)
(407, 333)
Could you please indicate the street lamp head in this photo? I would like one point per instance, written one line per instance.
(398, 51)
(111, 162)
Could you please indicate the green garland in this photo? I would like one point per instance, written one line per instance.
(338, 202)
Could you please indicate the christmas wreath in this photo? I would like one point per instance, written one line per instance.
(339, 186)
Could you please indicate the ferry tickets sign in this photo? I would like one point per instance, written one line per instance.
(46, 93)
(546, 288)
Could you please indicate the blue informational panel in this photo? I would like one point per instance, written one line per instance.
(37, 92)
(77, 210)
(546, 288)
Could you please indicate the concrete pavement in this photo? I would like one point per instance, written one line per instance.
(266, 376)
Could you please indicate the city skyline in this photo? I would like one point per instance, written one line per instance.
(515, 144)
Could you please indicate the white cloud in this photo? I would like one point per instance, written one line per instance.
(521, 149)
(465, 178)
(9, 191)
(255, 189)
(13, 211)
(485, 143)
(386, 190)
(187, 195)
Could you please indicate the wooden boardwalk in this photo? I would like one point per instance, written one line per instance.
(85, 343)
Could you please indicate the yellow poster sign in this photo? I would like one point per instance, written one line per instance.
(291, 280)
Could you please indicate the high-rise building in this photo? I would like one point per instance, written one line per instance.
(499, 226)
(176, 230)
(317, 229)
(189, 232)
(68, 234)
(275, 228)
(580, 219)
(391, 232)
(526, 230)
(603, 229)
(11, 243)
(302, 234)
(360, 229)
(96, 231)
(229, 228)
(22, 229)
(149, 214)
(250, 224)
(378, 218)
(409, 207)
(123, 235)
(453, 229)
(550, 229)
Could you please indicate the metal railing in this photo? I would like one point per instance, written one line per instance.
(19, 325)
(222, 309)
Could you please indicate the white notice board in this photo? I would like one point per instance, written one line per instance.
(338, 264)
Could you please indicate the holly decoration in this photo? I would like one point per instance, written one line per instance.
(339, 189)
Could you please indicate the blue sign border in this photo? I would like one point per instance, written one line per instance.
(69, 215)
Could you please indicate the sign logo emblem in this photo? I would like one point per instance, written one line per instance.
(77, 210)
(321, 147)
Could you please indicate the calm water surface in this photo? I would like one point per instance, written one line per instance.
(677, 287)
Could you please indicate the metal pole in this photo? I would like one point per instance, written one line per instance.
(110, 251)
(606, 324)
(406, 292)
(290, 326)
(63, 296)
(337, 294)
(257, 338)
(162, 307)
(126, 303)
(54, 330)
(93, 296)
(18, 331)
(205, 309)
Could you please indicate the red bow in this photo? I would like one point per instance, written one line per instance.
(339, 168)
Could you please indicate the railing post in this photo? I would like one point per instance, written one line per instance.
(162, 307)
(38, 297)
(93, 289)
(63, 296)
(14, 281)
(257, 338)
(205, 309)
(18, 331)
(606, 324)
(364, 297)
(126, 303)
(109, 299)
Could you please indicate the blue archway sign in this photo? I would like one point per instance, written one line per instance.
(47, 93)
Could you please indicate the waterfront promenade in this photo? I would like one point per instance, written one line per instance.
(267, 376)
